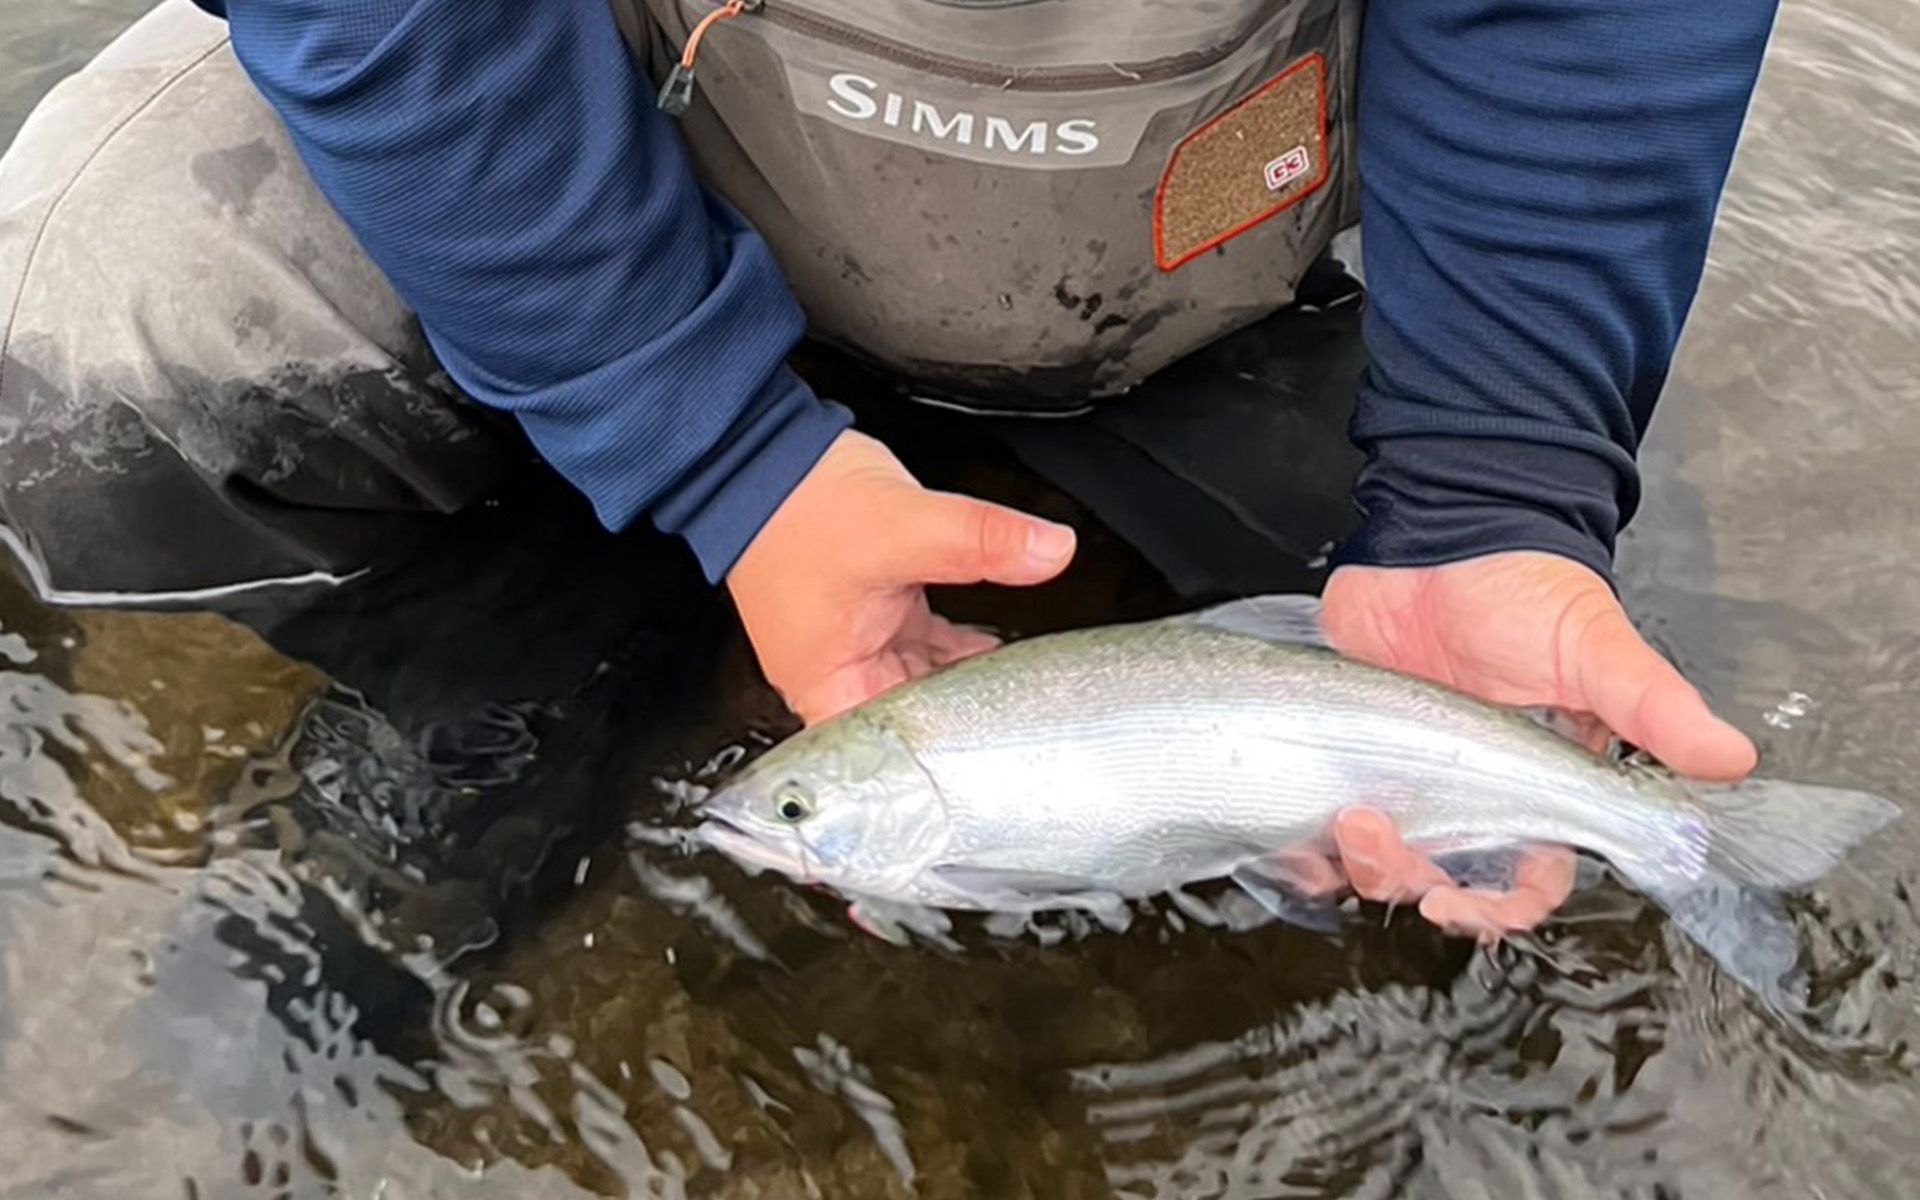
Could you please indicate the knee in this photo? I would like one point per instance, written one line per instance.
(154, 216)
(203, 380)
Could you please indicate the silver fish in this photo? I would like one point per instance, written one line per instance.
(1084, 768)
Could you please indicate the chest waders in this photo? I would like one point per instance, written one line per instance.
(1013, 204)
(1026, 207)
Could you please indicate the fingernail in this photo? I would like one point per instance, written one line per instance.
(1048, 544)
(1361, 823)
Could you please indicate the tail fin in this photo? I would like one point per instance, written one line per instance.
(1767, 837)
(1748, 933)
(1775, 836)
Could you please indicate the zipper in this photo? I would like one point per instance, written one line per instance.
(677, 93)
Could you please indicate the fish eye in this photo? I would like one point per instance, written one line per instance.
(792, 804)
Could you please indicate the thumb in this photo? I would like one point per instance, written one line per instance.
(939, 537)
(1646, 701)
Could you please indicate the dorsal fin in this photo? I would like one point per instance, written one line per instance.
(1293, 619)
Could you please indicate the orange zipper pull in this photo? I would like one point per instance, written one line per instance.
(676, 94)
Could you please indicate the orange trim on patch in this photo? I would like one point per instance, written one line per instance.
(1173, 160)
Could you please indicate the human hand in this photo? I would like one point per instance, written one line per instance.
(1523, 628)
(832, 590)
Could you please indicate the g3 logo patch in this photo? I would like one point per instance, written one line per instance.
(1223, 179)
(1288, 167)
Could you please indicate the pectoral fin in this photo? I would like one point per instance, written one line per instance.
(1014, 890)
(898, 923)
(1277, 886)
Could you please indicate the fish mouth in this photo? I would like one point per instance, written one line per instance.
(740, 844)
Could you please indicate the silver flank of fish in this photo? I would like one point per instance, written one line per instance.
(1131, 760)
(1158, 754)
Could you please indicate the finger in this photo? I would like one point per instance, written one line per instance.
(1542, 881)
(1307, 871)
(1599, 740)
(1581, 728)
(948, 643)
(1646, 701)
(939, 537)
(1482, 915)
(826, 700)
(847, 688)
(915, 659)
(1378, 864)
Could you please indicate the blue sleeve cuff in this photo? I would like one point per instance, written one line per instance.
(720, 506)
(1440, 499)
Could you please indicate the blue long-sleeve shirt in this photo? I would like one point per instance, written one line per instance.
(505, 166)
(1539, 180)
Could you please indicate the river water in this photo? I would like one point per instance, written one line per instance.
(402, 930)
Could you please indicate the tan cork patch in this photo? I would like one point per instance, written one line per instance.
(1252, 162)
